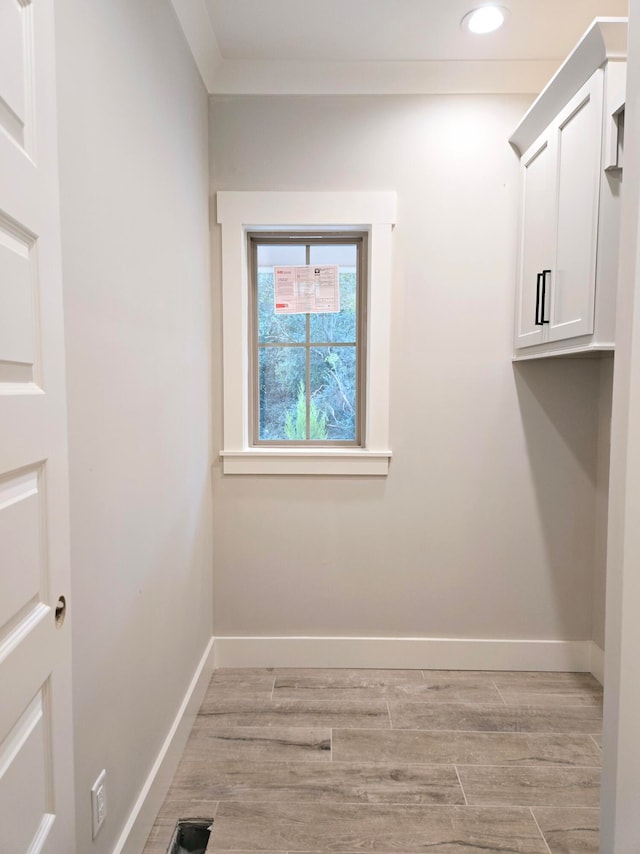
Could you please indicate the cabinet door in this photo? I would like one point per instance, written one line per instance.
(536, 238)
(578, 132)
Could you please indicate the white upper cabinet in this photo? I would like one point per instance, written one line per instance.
(569, 212)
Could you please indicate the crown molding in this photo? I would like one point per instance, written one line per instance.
(198, 31)
(293, 77)
(381, 78)
(606, 39)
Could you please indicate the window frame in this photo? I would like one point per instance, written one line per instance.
(239, 212)
(306, 238)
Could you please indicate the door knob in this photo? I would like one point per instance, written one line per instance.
(61, 611)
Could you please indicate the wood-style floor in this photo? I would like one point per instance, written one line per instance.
(401, 762)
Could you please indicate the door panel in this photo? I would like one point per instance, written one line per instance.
(536, 242)
(574, 275)
(36, 746)
(17, 303)
(16, 69)
(24, 779)
(20, 522)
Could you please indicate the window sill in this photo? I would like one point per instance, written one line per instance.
(304, 461)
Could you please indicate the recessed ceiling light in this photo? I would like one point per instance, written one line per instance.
(485, 19)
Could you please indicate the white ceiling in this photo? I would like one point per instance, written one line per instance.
(406, 30)
(384, 45)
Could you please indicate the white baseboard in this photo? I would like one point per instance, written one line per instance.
(406, 653)
(138, 826)
(597, 662)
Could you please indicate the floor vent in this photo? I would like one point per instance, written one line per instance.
(191, 836)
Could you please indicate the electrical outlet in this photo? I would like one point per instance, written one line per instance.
(99, 802)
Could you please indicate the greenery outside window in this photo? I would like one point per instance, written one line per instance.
(307, 369)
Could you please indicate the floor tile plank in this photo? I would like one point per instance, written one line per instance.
(291, 677)
(464, 748)
(190, 806)
(159, 839)
(530, 786)
(543, 682)
(305, 782)
(485, 718)
(242, 683)
(366, 828)
(256, 711)
(303, 744)
(557, 698)
(362, 684)
(570, 831)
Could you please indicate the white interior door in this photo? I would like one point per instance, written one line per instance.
(36, 758)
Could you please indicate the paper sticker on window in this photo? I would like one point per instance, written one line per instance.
(306, 290)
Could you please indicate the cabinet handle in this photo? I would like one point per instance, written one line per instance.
(544, 293)
(538, 282)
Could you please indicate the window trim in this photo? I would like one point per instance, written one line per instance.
(242, 212)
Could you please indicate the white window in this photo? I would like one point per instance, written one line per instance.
(307, 299)
(255, 446)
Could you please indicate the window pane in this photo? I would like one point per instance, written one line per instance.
(281, 375)
(333, 391)
(339, 326)
(283, 255)
(344, 255)
(273, 328)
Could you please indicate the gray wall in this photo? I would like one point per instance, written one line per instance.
(485, 525)
(134, 182)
